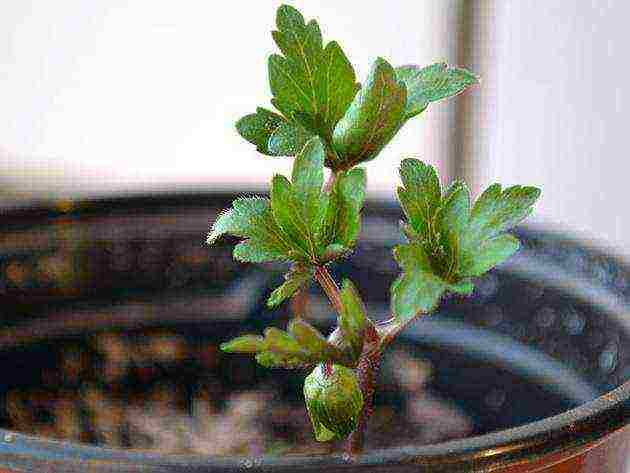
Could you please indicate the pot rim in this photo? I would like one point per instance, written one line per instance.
(567, 433)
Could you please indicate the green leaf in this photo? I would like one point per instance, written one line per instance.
(309, 83)
(421, 195)
(432, 83)
(353, 319)
(451, 221)
(343, 216)
(373, 117)
(239, 220)
(464, 287)
(252, 251)
(288, 139)
(279, 341)
(292, 77)
(300, 207)
(496, 211)
(350, 194)
(251, 218)
(288, 213)
(291, 225)
(489, 254)
(244, 344)
(308, 179)
(450, 242)
(300, 347)
(281, 350)
(312, 341)
(332, 252)
(297, 278)
(270, 359)
(258, 127)
(418, 289)
(336, 86)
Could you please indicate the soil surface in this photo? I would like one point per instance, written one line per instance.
(157, 390)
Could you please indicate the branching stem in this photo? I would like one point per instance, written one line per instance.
(299, 304)
(367, 370)
(389, 329)
(367, 367)
(328, 284)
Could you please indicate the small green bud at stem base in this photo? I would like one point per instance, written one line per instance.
(334, 401)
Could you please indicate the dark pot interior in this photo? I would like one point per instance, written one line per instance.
(544, 334)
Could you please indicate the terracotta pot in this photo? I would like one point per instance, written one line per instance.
(539, 355)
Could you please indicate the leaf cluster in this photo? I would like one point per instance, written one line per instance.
(302, 345)
(301, 222)
(315, 91)
(449, 239)
(324, 118)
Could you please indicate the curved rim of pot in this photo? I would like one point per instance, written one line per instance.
(567, 434)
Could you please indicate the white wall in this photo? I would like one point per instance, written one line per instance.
(554, 110)
(104, 95)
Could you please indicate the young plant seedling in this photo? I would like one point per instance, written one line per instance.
(325, 119)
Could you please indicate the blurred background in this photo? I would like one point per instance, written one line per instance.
(141, 96)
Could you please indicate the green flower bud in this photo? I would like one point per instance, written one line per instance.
(333, 400)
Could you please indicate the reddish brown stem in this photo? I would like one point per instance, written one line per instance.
(299, 304)
(367, 367)
(367, 370)
(389, 329)
(328, 284)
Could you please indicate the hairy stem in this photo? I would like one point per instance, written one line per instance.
(367, 369)
(368, 364)
(328, 284)
(389, 329)
(299, 304)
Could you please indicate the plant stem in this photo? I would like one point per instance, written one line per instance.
(368, 364)
(367, 369)
(299, 304)
(329, 286)
(389, 329)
